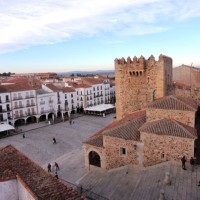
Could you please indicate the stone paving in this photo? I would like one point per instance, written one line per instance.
(125, 183)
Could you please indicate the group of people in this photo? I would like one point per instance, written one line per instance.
(192, 163)
(56, 167)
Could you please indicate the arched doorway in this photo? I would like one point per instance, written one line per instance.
(50, 116)
(42, 118)
(31, 119)
(94, 159)
(19, 122)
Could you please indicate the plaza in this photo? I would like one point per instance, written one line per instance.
(124, 183)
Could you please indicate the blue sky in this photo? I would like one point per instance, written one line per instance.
(66, 35)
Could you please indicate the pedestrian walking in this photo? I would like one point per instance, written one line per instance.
(183, 160)
(192, 162)
(70, 121)
(49, 167)
(57, 166)
(54, 140)
(23, 136)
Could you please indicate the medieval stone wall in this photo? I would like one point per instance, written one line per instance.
(187, 92)
(140, 81)
(112, 152)
(186, 117)
(158, 149)
(187, 74)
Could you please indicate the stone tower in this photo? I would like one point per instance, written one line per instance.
(140, 81)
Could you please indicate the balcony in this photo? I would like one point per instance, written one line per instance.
(17, 98)
(18, 106)
(46, 111)
(29, 96)
(30, 104)
(4, 110)
(30, 113)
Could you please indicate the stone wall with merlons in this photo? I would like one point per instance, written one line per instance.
(186, 117)
(112, 152)
(139, 81)
(173, 148)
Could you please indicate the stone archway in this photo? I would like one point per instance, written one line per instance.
(94, 159)
(50, 116)
(31, 119)
(42, 118)
(20, 122)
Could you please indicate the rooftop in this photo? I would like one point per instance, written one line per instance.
(175, 103)
(169, 127)
(41, 183)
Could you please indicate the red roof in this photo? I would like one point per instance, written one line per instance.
(97, 138)
(82, 86)
(175, 103)
(40, 183)
(169, 127)
(68, 89)
(53, 88)
(15, 87)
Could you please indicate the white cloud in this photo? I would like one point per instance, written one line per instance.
(26, 23)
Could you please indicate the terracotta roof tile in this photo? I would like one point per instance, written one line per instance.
(68, 89)
(82, 86)
(39, 182)
(53, 88)
(128, 130)
(97, 138)
(175, 103)
(92, 81)
(15, 87)
(169, 127)
(96, 141)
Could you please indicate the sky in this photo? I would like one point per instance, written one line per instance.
(67, 35)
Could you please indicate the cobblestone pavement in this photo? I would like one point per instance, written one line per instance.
(125, 183)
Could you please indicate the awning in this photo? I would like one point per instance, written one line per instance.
(100, 108)
(5, 127)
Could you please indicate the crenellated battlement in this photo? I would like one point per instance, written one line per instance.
(140, 80)
(140, 64)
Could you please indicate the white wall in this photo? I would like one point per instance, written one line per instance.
(23, 193)
(8, 190)
(46, 102)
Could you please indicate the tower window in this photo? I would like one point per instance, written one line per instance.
(122, 151)
(162, 156)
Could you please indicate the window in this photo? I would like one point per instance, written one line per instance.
(162, 156)
(72, 95)
(65, 96)
(122, 151)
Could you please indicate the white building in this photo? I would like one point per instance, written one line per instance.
(46, 104)
(5, 105)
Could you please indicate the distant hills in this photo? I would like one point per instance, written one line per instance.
(95, 72)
